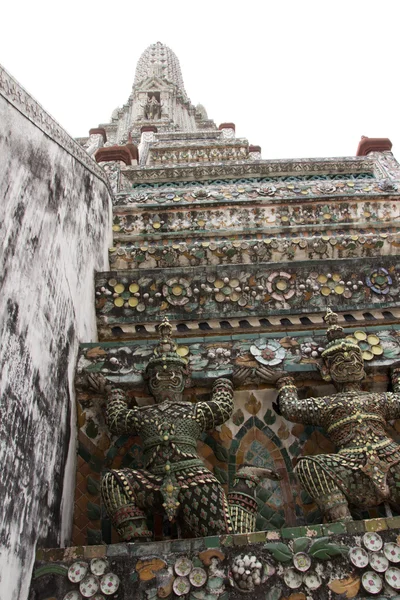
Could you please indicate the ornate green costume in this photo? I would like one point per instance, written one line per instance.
(365, 471)
(175, 480)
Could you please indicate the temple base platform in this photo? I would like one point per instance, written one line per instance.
(341, 560)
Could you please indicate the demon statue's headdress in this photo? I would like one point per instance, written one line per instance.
(165, 353)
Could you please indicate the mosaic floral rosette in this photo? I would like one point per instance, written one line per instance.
(177, 291)
(268, 352)
(378, 562)
(280, 285)
(370, 344)
(95, 580)
(379, 281)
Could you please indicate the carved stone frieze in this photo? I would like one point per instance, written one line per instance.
(262, 168)
(263, 218)
(245, 290)
(209, 357)
(165, 137)
(266, 190)
(198, 152)
(196, 140)
(176, 252)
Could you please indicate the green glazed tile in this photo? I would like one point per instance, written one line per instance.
(212, 541)
(241, 433)
(270, 417)
(289, 533)
(267, 512)
(51, 569)
(226, 540)
(333, 528)
(277, 521)
(355, 527)
(257, 537)
(315, 531)
(234, 446)
(393, 522)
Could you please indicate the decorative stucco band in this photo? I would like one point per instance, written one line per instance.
(14, 93)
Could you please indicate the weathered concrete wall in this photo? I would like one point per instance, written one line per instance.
(54, 234)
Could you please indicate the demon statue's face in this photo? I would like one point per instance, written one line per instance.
(345, 366)
(166, 382)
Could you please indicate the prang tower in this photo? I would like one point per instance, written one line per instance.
(243, 256)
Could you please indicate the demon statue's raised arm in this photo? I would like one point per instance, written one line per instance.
(365, 471)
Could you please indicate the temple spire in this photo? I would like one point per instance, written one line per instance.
(160, 61)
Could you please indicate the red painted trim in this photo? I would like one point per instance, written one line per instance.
(113, 153)
(100, 131)
(368, 145)
(148, 128)
(133, 151)
(227, 126)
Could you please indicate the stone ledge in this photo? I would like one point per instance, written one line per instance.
(259, 168)
(233, 291)
(198, 544)
(149, 570)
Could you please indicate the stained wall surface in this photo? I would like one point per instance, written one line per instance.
(54, 234)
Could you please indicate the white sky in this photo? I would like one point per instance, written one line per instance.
(300, 78)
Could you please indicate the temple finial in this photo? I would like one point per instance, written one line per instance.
(336, 335)
(165, 330)
(166, 350)
(330, 317)
(335, 332)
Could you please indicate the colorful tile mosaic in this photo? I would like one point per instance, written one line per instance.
(286, 188)
(194, 251)
(132, 296)
(210, 357)
(299, 563)
(250, 219)
(259, 437)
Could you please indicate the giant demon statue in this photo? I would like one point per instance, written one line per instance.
(175, 481)
(365, 471)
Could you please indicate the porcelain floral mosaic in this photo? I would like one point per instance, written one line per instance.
(122, 296)
(289, 189)
(251, 219)
(303, 349)
(198, 251)
(331, 566)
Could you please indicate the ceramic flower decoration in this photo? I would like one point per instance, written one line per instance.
(268, 352)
